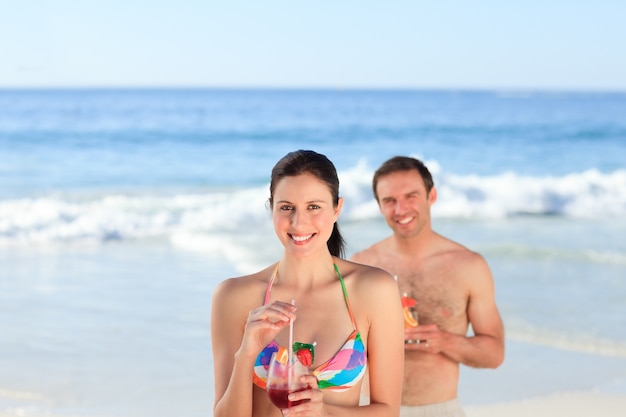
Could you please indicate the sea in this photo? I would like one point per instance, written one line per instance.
(122, 209)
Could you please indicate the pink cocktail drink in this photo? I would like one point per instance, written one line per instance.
(284, 377)
(280, 396)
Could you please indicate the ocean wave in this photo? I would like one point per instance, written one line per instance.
(109, 217)
(125, 217)
(588, 194)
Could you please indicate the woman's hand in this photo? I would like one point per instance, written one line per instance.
(264, 323)
(314, 407)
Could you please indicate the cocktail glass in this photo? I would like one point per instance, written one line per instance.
(410, 314)
(283, 378)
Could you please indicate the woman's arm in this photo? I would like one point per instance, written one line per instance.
(232, 371)
(385, 345)
(239, 331)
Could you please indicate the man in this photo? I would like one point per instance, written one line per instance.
(453, 287)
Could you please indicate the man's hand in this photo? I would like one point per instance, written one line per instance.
(431, 338)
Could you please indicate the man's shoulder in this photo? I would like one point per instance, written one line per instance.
(363, 255)
(451, 247)
(371, 255)
(450, 252)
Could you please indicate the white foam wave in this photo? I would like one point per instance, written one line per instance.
(122, 217)
(585, 195)
(246, 252)
(58, 219)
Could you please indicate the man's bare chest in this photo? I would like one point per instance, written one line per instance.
(441, 298)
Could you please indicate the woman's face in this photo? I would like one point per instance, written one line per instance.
(303, 213)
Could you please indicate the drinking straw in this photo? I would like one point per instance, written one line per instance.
(290, 347)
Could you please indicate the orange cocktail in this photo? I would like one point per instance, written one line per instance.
(410, 313)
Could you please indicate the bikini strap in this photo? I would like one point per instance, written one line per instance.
(268, 290)
(345, 295)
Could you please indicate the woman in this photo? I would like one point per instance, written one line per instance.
(344, 309)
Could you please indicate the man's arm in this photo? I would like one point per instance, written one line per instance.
(486, 348)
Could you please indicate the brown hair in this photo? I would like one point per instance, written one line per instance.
(403, 163)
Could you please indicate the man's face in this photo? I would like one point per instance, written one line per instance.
(404, 203)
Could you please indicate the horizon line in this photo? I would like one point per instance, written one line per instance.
(319, 88)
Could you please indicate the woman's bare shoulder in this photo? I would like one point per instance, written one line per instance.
(364, 275)
(242, 287)
(373, 289)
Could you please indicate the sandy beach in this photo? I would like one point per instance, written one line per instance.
(566, 383)
(571, 404)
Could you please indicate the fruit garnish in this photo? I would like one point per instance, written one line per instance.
(408, 318)
(305, 357)
(408, 301)
(305, 352)
(282, 355)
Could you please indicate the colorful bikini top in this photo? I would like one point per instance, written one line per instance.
(340, 372)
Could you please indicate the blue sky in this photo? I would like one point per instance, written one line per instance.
(551, 44)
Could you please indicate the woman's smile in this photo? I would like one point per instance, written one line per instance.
(301, 238)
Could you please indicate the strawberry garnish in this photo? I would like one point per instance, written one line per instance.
(305, 357)
(304, 352)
